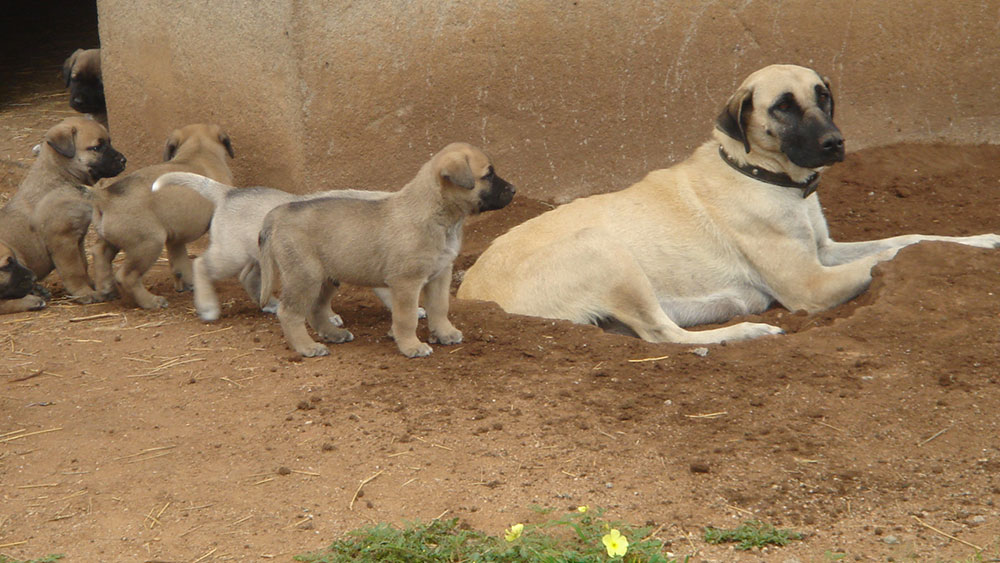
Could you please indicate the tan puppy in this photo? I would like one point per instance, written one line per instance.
(82, 74)
(405, 241)
(43, 225)
(130, 217)
(727, 232)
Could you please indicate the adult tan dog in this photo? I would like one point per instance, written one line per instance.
(406, 241)
(82, 74)
(131, 218)
(727, 232)
(43, 225)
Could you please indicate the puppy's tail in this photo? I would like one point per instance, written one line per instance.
(208, 188)
(264, 242)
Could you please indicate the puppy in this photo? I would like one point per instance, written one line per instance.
(43, 225)
(729, 231)
(130, 217)
(17, 285)
(233, 249)
(82, 74)
(406, 241)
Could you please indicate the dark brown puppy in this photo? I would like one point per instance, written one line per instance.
(43, 225)
(82, 74)
(132, 218)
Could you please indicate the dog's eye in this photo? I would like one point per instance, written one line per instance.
(489, 174)
(784, 106)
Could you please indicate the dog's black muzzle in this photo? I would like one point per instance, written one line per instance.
(501, 193)
(815, 141)
(87, 97)
(22, 280)
(109, 165)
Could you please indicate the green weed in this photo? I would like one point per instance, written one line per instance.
(751, 534)
(582, 536)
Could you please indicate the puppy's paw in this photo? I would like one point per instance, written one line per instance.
(271, 307)
(314, 351)
(336, 320)
(209, 314)
(336, 335)
(154, 302)
(88, 298)
(756, 330)
(41, 291)
(421, 313)
(416, 350)
(453, 336)
(181, 286)
(33, 302)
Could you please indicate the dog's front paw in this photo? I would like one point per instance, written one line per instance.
(756, 330)
(90, 297)
(209, 313)
(336, 320)
(33, 302)
(416, 350)
(453, 336)
(336, 335)
(313, 351)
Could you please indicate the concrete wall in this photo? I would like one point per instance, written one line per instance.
(570, 97)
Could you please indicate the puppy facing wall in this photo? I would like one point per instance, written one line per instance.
(131, 218)
(82, 74)
(43, 225)
(727, 232)
(233, 249)
(406, 241)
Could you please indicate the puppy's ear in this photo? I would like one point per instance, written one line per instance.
(67, 70)
(455, 169)
(227, 142)
(826, 82)
(173, 141)
(733, 119)
(62, 138)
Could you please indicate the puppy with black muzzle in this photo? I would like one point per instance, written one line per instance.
(131, 218)
(42, 227)
(730, 230)
(406, 241)
(82, 74)
(18, 290)
(233, 249)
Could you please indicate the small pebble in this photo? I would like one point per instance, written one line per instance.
(701, 351)
(891, 540)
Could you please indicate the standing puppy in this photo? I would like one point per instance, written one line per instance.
(43, 225)
(233, 249)
(727, 232)
(130, 217)
(406, 241)
(82, 74)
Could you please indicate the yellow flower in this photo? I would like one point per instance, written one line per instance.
(513, 532)
(582, 509)
(616, 543)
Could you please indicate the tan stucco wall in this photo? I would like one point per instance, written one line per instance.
(569, 97)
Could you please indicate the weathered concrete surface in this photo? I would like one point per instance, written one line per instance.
(569, 97)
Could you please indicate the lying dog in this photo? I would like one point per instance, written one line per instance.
(82, 74)
(727, 232)
(43, 225)
(130, 217)
(233, 249)
(406, 241)
(17, 285)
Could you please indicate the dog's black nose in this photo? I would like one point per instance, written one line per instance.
(833, 143)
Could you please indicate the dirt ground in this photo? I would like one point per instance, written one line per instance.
(128, 435)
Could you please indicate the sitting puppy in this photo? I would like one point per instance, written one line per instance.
(729, 231)
(82, 74)
(130, 217)
(406, 241)
(43, 225)
(233, 250)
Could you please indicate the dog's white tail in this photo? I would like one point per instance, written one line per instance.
(266, 263)
(207, 187)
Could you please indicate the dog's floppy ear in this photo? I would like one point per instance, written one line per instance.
(733, 119)
(227, 142)
(455, 169)
(62, 138)
(173, 141)
(67, 71)
(826, 82)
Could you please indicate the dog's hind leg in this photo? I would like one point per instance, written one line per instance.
(138, 260)
(104, 278)
(180, 265)
(319, 317)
